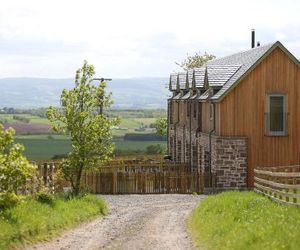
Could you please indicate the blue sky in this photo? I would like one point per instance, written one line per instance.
(134, 38)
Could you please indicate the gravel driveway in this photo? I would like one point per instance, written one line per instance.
(134, 222)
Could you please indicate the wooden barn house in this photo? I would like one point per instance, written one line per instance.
(235, 113)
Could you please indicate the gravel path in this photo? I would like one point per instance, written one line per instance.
(134, 222)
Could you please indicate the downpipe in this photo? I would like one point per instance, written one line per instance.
(210, 146)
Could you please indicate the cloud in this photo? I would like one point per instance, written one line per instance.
(134, 38)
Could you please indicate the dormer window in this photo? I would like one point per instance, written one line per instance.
(276, 119)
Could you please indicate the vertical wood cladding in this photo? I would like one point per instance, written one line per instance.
(242, 112)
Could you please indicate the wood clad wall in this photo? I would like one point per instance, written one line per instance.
(207, 123)
(242, 112)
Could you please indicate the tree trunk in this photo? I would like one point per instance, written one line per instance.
(78, 180)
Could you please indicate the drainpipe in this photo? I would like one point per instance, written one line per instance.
(191, 151)
(168, 125)
(210, 137)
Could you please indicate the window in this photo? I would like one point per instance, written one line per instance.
(188, 109)
(276, 115)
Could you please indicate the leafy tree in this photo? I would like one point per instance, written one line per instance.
(161, 125)
(195, 61)
(15, 169)
(82, 116)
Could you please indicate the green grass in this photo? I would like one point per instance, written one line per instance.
(32, 221)
(131, 124)
(244, 220)
(33, 118)
(40, 147)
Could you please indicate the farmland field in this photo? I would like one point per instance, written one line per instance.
(41, 143)
(44, 147)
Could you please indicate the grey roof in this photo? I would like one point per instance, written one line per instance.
(226, 72)
(181, 80)
(199, 75)
(177, 97)
(204, 96)
(218, 75)
(186, 96)
(246, 59)
(190, 75)
(173, 82)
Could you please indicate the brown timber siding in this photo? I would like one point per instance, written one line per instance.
(242, 112)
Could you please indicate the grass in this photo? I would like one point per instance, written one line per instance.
(32, 221)
(244, 220)
(33, 118)
(40, 147)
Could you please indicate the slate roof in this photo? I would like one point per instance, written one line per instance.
(173, 82)
(204, 96)
(199, 74)
(245, 59)
(177, 97)
(218, 75)
(186, 96)
(181, 80)
(190, 75)
(224, 73)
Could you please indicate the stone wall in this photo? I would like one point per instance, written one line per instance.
(181, 146)
(228, 159)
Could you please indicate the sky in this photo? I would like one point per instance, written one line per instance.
(134, 38)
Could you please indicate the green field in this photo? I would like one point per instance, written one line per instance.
(33, 119)
(44, 147)
(127, 125)
(41, 147)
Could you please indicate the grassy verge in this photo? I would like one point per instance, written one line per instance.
(31, 221)
(244, 220)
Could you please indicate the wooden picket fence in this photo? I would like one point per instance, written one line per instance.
(146, 179)
(281, 184)
(142, 175)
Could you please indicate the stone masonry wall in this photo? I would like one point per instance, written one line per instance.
(229, 159)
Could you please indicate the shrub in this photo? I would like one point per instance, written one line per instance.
(8, 200)
(45, 198)
(15, 169)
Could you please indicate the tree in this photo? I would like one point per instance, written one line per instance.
(15, 169)
(161, 125)
(81, 115)
(195, 61)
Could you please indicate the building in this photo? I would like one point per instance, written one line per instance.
(236, 113)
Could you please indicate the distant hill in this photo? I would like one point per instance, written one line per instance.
(42, 92)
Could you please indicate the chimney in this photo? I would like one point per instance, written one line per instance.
(252, 38)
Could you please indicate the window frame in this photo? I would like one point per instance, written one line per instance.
(268, 120)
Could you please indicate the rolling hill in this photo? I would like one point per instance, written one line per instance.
(42, 92)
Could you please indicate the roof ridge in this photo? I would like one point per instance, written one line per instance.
(242, 51)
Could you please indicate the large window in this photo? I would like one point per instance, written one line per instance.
(276, 115)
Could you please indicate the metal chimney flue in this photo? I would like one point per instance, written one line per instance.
(253, 38)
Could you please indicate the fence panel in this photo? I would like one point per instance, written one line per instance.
(146, 180)
(281, 184)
